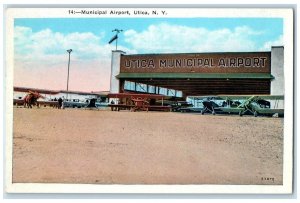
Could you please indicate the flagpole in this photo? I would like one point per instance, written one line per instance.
(117, 44)
(115, 37)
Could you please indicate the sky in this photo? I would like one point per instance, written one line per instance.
(40, 44)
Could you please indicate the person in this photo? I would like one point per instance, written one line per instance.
(112, 107)
(60, 101)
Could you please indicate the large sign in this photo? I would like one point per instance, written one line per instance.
(253, 62)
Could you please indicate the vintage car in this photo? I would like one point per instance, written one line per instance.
(181, 106)
(74, 103)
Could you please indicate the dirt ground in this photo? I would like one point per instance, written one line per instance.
(104, 147)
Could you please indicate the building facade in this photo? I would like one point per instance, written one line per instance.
(201, 74)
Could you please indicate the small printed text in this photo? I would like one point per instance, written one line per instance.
(116, 12)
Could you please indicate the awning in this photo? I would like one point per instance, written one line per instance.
(196, 75)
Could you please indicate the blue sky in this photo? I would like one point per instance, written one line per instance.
(272, 27)
(41, 43)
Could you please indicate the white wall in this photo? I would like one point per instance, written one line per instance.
(277, 63)
(19, 94)
(115, 70)
(277, 70)
(71, 96)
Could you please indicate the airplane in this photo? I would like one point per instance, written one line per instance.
(241, 104)
(135, 101)
(210, 103)
(255, 104)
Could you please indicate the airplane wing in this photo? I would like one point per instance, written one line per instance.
(235, 97)
(246, 97)
(232, 109)
(208, 97)
(271, 97)
(129, 95)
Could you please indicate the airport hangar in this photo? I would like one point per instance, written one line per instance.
(200, 74)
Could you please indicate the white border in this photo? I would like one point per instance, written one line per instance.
(286, 188)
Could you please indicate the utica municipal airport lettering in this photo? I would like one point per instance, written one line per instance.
(231, 62)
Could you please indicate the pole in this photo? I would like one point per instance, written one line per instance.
(68, 75)
(117, 43)
(117, 32)
(69, 51)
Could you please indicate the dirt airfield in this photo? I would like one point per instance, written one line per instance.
(105, 147)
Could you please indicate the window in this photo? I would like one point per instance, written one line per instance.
(179, 94)
(140, 87)
(172, 93)
(151, 89)
(129, 85)
(163, 91)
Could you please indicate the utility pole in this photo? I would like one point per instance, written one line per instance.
(69, 51)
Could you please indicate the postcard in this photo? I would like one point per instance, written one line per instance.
(149, 100)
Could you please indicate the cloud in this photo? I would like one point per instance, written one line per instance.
(277, 42)
(47, 43)
(41, 59)
(165, 37)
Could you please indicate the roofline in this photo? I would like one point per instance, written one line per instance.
(204, 53)
(25, 89)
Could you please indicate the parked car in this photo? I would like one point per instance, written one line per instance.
(181, 106)
(74, 103)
